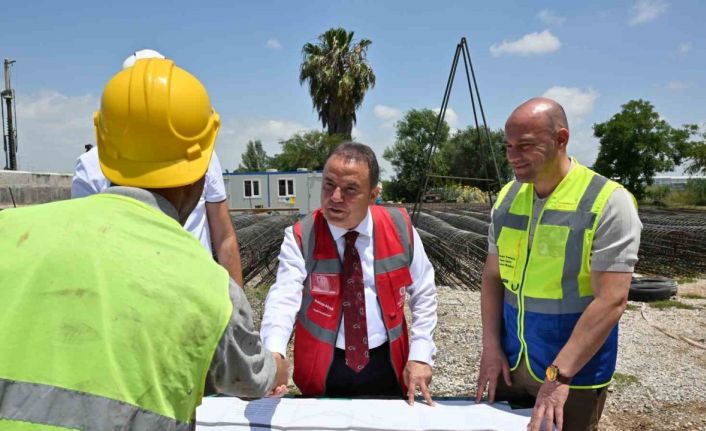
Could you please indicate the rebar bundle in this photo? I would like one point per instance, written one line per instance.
(462, 222)
(244, 220)
(484, 216)
(673, 249)
(451, 268)
(260, 244)
(458, 255)
(455, 239)
(686, 218)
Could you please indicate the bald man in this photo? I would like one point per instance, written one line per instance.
(562, 246)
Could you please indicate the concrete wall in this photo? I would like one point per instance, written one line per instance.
(29, 188)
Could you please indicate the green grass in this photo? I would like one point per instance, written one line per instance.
(692, 296)
(258, 293)
(621, 380)
(632, 307)
(685, 280)
(669, 303)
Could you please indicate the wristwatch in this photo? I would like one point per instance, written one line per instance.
(553, 375)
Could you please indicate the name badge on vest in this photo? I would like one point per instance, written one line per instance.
(325, 284)
(401, 298)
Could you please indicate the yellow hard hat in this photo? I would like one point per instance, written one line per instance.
(156, 127)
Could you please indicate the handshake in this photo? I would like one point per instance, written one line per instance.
(281, 377)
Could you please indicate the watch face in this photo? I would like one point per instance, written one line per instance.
(552, 372)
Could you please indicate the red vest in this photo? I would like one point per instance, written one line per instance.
(319, 317)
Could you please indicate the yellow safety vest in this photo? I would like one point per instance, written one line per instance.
(111, 314)
(548, 283)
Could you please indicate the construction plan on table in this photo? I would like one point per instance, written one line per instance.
(321, 414)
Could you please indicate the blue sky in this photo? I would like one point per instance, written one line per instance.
(591, 56)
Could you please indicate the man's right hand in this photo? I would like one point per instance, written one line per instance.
(281, 377)
(492, 363)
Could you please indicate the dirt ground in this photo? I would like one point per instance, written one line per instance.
(697, 287)
(665, 416)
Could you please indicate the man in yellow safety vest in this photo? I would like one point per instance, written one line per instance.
(114, 316)
(563, 243)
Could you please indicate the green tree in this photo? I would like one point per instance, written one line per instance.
(696, 153)
(305, 150)
(338, 73)
(254, 158)
(464, 156)
(696, 191)
(408, 155)
(636, 143)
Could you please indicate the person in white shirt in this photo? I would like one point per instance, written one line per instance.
(315, 279)
(209, 222)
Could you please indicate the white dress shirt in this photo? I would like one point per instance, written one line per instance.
(89, 180)
(285, 296)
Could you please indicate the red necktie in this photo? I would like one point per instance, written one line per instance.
(356, 327)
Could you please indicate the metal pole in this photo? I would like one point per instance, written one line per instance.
(479, 140)
(482, 113)
(440, 120)
(10, 138)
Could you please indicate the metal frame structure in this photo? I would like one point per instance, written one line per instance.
(462, 51)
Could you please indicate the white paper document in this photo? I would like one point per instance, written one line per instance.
(312, 414)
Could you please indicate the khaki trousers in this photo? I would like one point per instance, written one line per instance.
(582, 410)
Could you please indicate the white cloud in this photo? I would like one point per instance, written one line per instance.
(677, 85)
(530, 44)
(52, 129)
(273, 43)
(644, 11)
(576, 102)
(451, 117)
(387, 113)
(358, 135)
(549, 18)
(684, 48)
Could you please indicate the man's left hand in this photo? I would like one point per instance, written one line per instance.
(549, 406)
(417, 374)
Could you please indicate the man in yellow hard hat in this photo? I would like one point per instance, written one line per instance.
(209, 221)
(114, 316)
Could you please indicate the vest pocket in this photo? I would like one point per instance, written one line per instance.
(325, 284)
(325, 299)
(550, 241)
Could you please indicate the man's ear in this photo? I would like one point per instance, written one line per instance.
(375, 193)
(562, 138)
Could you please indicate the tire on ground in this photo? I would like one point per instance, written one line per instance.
(646, 289)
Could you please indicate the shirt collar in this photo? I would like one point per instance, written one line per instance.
(155, 200)
(364, 228)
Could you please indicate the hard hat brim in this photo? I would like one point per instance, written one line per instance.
(155, 175)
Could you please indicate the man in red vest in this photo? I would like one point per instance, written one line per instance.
(344, 274)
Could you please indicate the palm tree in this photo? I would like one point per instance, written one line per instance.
(338, 75)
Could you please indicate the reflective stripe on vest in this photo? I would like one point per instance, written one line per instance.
(51, 405)
(334, 266)
(578, 221)
(502, 215)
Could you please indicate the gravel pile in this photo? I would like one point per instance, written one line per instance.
(661, 382)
